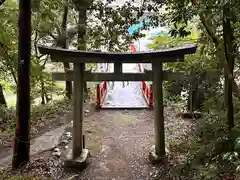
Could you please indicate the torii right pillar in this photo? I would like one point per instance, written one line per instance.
(158, 152)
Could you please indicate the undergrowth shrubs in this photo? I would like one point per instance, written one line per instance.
(39, 114)
(212, 153)
(7, 116)
(50, 109)
(218, 154)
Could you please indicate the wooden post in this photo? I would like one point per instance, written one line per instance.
(98, 96)
(117, 67)
(22, 139)
(78, 111)
(158, 109)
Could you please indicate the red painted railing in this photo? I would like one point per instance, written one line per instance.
(146, 89)
(101, 93)
(147, 92)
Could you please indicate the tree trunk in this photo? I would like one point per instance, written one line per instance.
(2, 98)
(64, 44)
(229, 54)
(22, 139)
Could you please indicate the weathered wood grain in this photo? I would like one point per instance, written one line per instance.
(77, 56)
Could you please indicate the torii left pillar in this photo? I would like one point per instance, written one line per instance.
(79, 156)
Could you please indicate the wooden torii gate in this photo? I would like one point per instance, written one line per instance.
(79, 155)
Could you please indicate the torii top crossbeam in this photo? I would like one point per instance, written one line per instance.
(77, 56)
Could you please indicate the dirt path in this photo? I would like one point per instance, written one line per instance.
(125, 140)
(119, 142)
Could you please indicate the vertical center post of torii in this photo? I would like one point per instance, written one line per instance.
(117, 67)
(79, 157)
(78, 111)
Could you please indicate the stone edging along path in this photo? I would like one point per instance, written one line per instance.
(45, 142)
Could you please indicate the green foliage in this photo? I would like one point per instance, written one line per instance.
(107, 29)
(41, 81)
(47, 27)
(212, 152)
(8, 41)
(50, 109)
(38, 113)
(41, 115)
(195, 62)
(113, 24)
(211, 127)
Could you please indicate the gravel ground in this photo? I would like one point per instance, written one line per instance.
(128, 137)
(120, 142)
